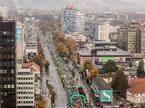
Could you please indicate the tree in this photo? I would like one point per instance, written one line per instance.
(71, 45)
(89, 67)
(59, 37)
(140, 69)
(120, 82)
(41, 103)
(93, 72)
(110, 66)
(61, 48)
(38, 60)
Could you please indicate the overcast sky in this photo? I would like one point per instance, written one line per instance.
(83, 4)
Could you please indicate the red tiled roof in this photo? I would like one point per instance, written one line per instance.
(137, 85)
(28, 65)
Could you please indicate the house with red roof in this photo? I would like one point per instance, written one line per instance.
(136, 91)
(36, 70)
(33, 66)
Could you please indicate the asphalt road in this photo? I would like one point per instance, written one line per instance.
(45, 92)
(61, 96)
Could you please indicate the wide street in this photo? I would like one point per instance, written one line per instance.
(45, 92)
(61, 96)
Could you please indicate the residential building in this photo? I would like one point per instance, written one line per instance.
(25, 88)
(131, 37)
(3, 11)
(103, 31)
(31, 48)
(68, 19)
(36, 70)
(29, 29)
(80, 23)
(72, 21)
(136, 91)
(7, 64)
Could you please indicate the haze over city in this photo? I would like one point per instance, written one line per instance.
(112, 5)
(72, 53)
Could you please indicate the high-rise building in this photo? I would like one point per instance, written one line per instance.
(80, 23)
(72, 21)
(7, 64)
(133, 37)
(103, 31)
(68, 19)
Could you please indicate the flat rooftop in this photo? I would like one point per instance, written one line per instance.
(100, 84)
(118, 52)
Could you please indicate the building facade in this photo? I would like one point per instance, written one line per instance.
(131, 37)
(25, 88)
(72, 21)
(7, 64)
(68, 19)
(136, 91)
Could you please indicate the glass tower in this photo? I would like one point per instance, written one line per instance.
(7, 64)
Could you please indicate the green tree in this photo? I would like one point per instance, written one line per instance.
(140, 69)
(110, 66)
(120, 82)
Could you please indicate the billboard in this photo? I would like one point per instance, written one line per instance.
(106, 96)
(19, 37)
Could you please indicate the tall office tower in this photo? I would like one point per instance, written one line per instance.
(68, 19)
(80, 23)
(7, 64)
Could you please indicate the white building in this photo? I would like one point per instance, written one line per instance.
(136, 92)
(3, 11)
(36, 70)
(31, 48)
(80, 23)
(25, 89)
(29, 27)
(77, 38)
(103, 31)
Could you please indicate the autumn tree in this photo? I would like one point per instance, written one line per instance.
(61, 48)
(59, 37)
(120, 82)
(41, 103)
(71, 45)
(38, 60)
(89, 70)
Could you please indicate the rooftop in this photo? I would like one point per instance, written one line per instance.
(118, 52)
(28, 65)
(137, 85)
(99, 83)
